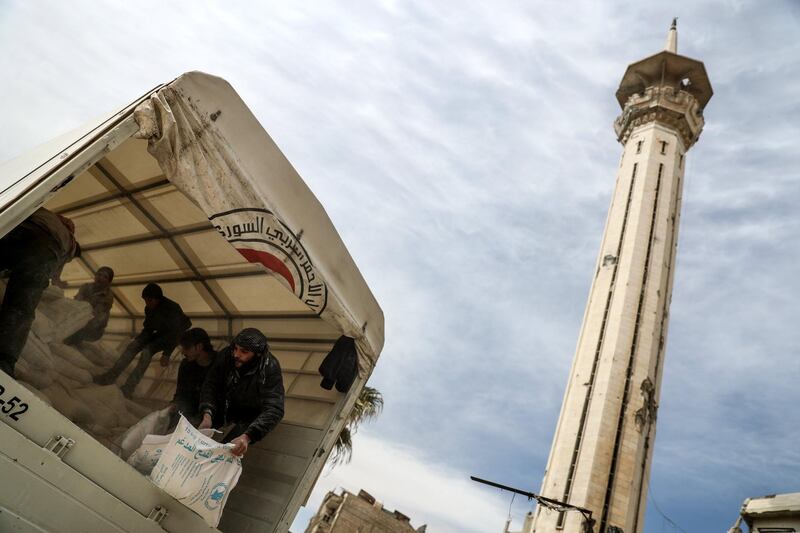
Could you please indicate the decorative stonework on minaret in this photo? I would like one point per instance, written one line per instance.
(603, 445)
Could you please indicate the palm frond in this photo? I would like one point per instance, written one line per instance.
(342, 448)
(368, 406)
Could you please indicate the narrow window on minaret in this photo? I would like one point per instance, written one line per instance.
(680, 163)
(663, 147)
(639, 147)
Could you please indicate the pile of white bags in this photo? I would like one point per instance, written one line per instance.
(62, 375)
(45, 359)
(197, 471)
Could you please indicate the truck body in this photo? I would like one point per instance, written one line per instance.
(184, 187)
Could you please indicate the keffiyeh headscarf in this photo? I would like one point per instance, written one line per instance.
(252, 340)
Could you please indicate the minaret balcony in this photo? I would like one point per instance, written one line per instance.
(676, 109)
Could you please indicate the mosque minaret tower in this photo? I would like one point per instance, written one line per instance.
(603, 444)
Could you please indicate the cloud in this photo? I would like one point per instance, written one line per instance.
(405, 480)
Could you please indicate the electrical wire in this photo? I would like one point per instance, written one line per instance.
(513, 495)
(663, 516)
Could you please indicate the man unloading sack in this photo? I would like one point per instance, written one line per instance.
(198, 356)
(164, 321)
(245, 386)
(35, 252)
(98, 295)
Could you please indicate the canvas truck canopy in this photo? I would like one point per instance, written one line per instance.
(185, 188)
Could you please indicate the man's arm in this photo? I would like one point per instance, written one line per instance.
(56, 277)
(272, 400)
(83, 293)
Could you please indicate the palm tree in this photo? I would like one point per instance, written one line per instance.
(368, 406)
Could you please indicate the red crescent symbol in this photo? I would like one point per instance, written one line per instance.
(270, 261)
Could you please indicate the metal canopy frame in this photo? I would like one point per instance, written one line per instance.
(106, 170)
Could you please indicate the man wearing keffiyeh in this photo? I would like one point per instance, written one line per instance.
(245, 387)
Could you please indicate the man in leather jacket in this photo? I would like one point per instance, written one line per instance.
(164, 323)
(245, 385)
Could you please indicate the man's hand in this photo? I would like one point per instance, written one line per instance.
(164, 359)
(206, 422)
(240, 444)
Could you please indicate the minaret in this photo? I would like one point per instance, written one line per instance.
(603, 445)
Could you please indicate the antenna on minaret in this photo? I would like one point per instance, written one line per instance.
(672, 37)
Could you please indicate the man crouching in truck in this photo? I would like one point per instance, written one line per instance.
(35, 252)
(245, 386)
(198, 357)
(164, 321)
(98, 295)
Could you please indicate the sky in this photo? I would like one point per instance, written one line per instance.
(465, 152)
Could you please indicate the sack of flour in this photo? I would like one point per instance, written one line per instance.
(156, 424)
(197, 471)
(149, 447)
(147, 455)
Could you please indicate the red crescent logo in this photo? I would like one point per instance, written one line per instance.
(270, 261)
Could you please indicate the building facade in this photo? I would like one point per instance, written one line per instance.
(775, 513)
(362, 513)
(603, 444)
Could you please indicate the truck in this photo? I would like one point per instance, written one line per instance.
(185, 188)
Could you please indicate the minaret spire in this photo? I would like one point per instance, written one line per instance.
(672, 37)
(604, 441)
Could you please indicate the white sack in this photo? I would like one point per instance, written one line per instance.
(65, 404)
(73, 355)
(197, 471)
(97, 354)
(39, 394)
(66, 382)
(108, 405)
(149, 452)
(147, 455)
(37, 354)
(52, 293)
(36, 377)
(66, 369)
(66, 316)
(156, 423)
(42, 327)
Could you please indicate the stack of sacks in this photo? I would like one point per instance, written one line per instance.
(36, 365)
(98, 354)
(44, 358)
(110, 412)
(66, 315)
(62, 375)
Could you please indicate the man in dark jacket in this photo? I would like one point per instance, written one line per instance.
(198, 356)
(35, 252)
(245, 385)
(98, 295)
(164, 322)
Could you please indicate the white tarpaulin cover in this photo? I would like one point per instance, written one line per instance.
(248, 206)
